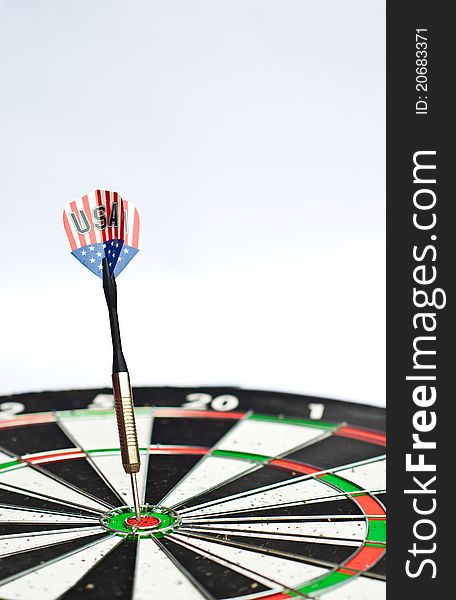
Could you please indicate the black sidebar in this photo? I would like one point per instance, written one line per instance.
(421, 259)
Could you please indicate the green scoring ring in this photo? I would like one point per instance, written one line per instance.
(115, 521)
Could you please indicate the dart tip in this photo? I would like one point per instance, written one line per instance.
(134, 489)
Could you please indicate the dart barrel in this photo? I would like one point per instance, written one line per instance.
(126, 422)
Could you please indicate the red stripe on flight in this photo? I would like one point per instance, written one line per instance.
(100, 203)
(69, 233)
(136, 229)
(108, 215)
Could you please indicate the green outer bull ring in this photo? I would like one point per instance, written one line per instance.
(115, 521)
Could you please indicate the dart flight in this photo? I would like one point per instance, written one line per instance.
(100, 225)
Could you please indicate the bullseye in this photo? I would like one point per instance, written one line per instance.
(145, 522)
(154, 521)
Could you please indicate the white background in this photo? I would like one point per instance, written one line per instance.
(250, 135)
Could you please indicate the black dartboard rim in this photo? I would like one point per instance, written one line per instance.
(276, 403)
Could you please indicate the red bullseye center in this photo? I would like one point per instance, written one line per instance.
(145, 521)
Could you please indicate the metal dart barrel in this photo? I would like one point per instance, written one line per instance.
(126, 422)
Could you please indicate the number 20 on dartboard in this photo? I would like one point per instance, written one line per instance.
(202, 401)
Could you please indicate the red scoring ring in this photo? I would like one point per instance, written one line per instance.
(146, 521)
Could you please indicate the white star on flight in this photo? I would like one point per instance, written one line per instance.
(92, 260)
(83, 252)
(98, 254)
(99, 267)
(126, 250)
(104, 245)
(91, 248)
(120, 258)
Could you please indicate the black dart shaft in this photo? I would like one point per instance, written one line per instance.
(123, 396)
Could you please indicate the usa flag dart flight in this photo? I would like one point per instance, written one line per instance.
(100, 225)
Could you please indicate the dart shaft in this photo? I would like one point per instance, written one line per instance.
(123, 397)
(126, 422)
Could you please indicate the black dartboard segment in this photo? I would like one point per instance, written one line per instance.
(11, 498)
(85, 477)
(338, 450)
(189, 431)
(42, 554)
(31, 529)
(260, 476)
(267, 495)
(165, 471)
(313, 553)
(218, 579)
(110, 577)
(26, 440)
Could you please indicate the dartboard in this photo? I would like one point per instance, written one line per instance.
(245, 494)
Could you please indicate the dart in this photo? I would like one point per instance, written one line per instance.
(103, 233)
